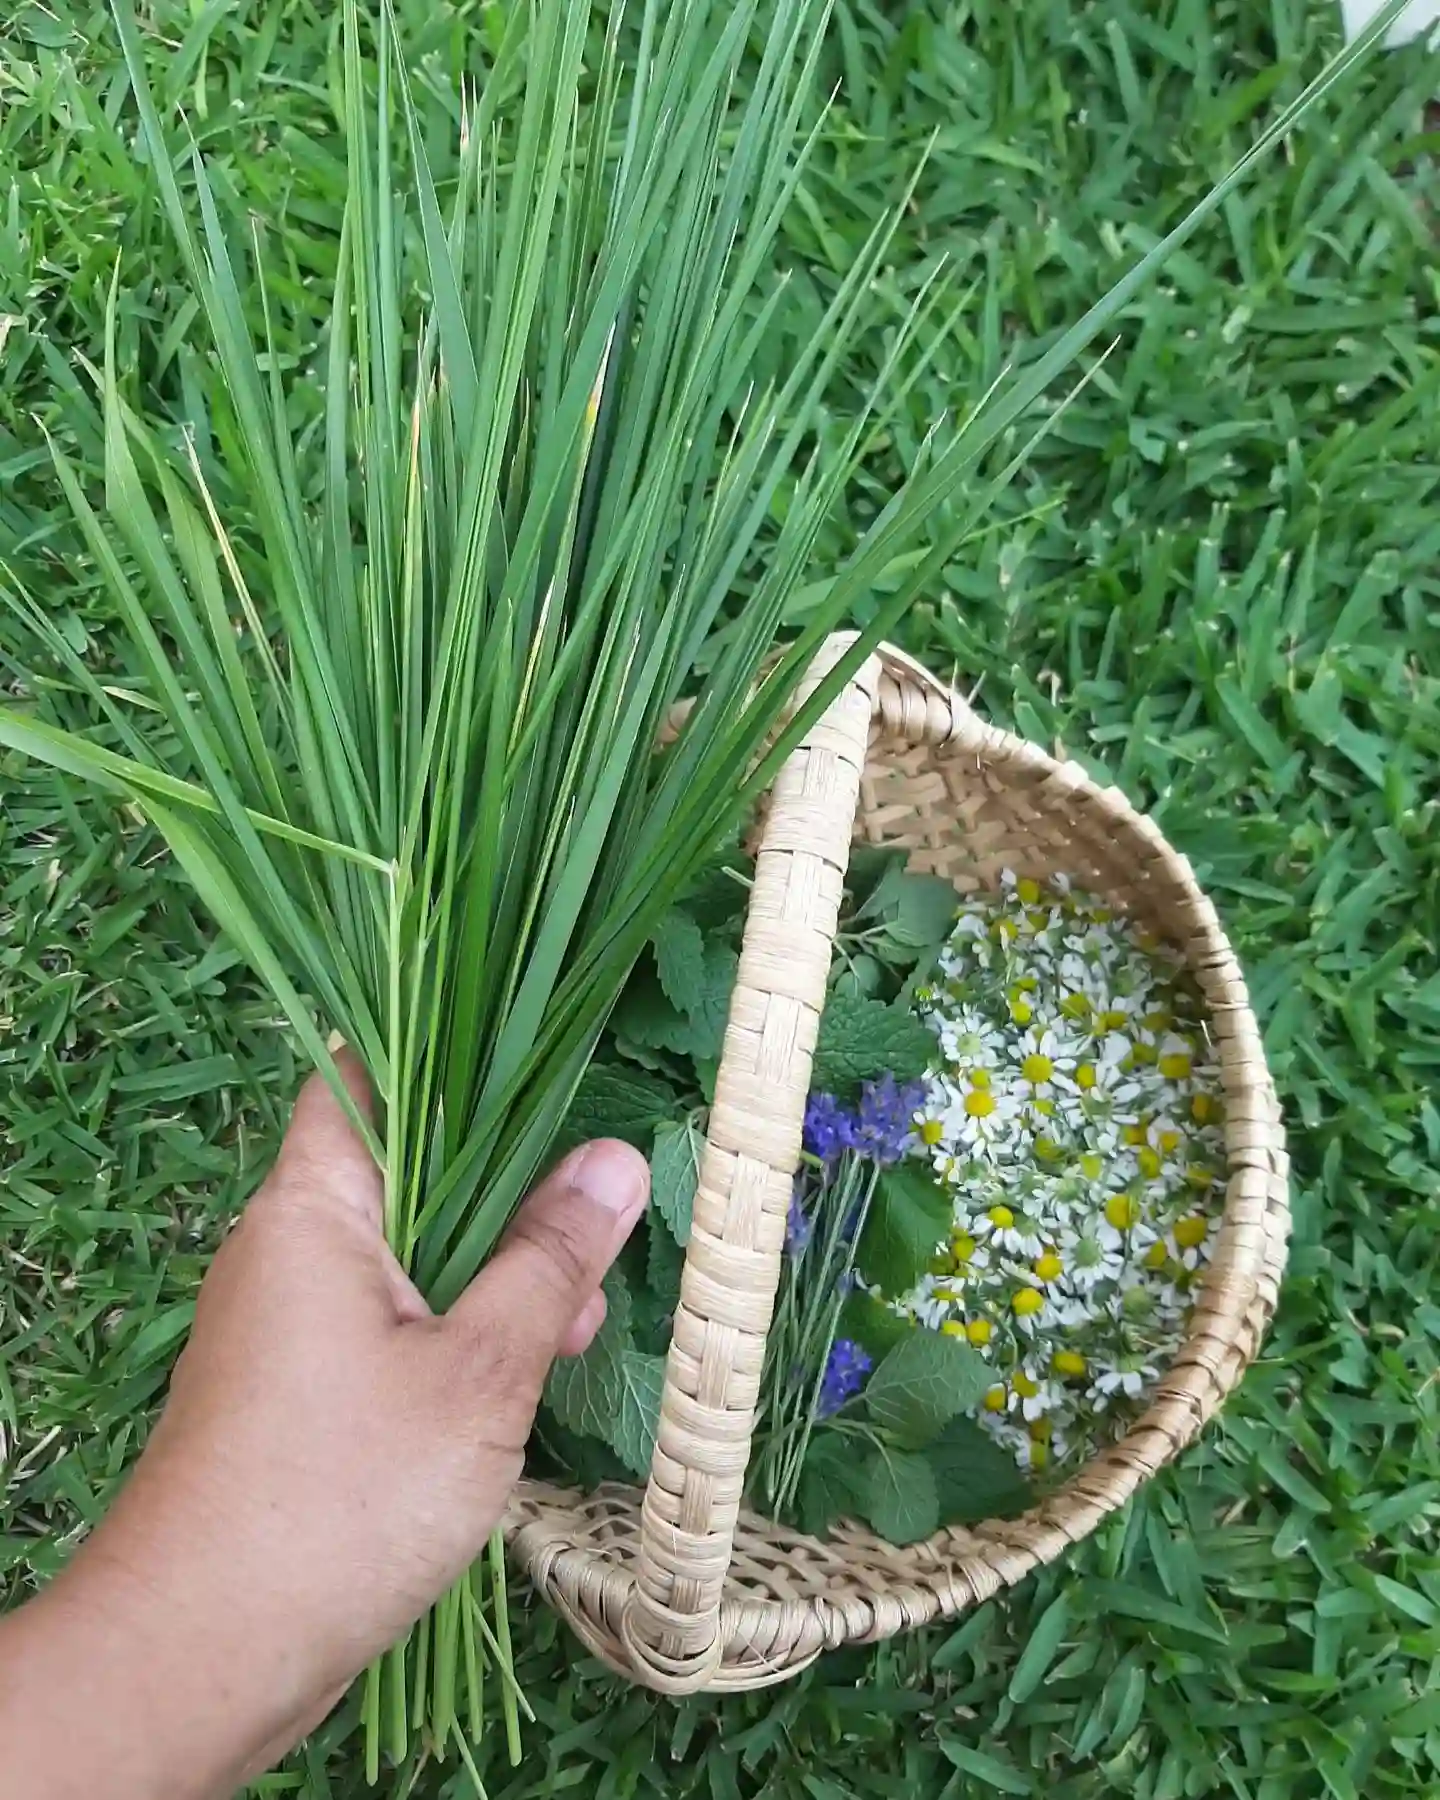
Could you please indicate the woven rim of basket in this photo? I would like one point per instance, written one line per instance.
(789, 1597)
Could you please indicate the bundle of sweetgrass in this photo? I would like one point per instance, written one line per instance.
(392, 703)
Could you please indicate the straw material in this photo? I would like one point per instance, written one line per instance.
(682, 1589)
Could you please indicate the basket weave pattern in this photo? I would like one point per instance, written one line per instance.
(682, 1589)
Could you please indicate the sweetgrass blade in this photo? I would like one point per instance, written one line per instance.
(392, 701)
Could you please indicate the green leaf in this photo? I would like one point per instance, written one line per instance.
(673, 1176)
(615, 1102)
(975, 1479)
(861, 1038)
(679, 947)
(587, 1392)
(900, 1499)
(924, 1382)
(910, 1217)
(918, 911)
(872, 1324)
(999, 1775)
(829, 1489)
(664, 1263)
(637, 1412)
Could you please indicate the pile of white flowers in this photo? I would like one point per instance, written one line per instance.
(1075, 1114)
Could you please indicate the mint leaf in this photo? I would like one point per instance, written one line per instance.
(709, 1018)
(872, 1324)
(664, 1263)
(828, 1486)
(861, 1038)
(615, 1102)
(922, 1384)
(637, 1414)
(974, 1478)
(673, 1175)
(909, 1217)
(585, 1392)
(917, 911)
(900, 1498)
(645, 1016)
(679, 946)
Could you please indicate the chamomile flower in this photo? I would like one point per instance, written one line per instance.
(1075, 1115)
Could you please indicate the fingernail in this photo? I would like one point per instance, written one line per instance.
(612, 1175)
(335, 1041)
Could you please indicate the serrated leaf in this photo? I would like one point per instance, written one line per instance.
(679, 947)
(664, 1263)
(909, 1217)
(861, 1038)
(924, 1382)
(900, 1499)
(828, 1486)
(614, 1102)
(975, 1479)
(918, 911)
(637, 1413)
(585, 1392)
(673, 1177)
(872, 1324)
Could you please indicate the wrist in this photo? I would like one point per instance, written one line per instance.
(158, 1666)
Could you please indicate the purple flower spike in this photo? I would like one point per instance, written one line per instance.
(845, 1372)
(798, 1225)
(887, 1113)
(829, 1130)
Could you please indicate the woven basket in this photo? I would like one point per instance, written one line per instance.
(680, 1587)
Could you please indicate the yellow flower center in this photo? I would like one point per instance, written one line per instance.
(1135, 1135)
(1112, 1019)
(1169, 1142)
(1092, 1165)
(931, 1131)
(1028, 890)
(1157, 1021)
(979, 1104)
(995, 1399)
(1142, 1052)
(952, 1328)
(979, 1332)
(1037, 1068)
(1156, 1256)
(1039, 1432)
(1045, 1108)
(1175, 1065)
(1203, 1108)
(1021, 1011)
(1085, 1077)
(1024, 1386)
(1123, 1211)
(962, 1247)
(1190, 1233)
(1069, 1364)
(1149, 1161)
(942, 1264)
(1039, 1453)
(1049, 1266)
(1001, 1217)
(1046, 1149)
(1198, 1176)
(980, 1078)
(1027, 1302)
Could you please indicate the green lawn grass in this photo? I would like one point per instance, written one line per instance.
(1216, 583)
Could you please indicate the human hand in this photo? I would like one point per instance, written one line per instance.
(330, 1459)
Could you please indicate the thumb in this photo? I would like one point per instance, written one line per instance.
(550, 1263)
(323, 1155)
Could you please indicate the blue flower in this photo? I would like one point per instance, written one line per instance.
(829, 1130)
(887, 1113)
(845, 1372)
(798, 1224)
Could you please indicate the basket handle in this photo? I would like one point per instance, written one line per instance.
(671, 1623)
